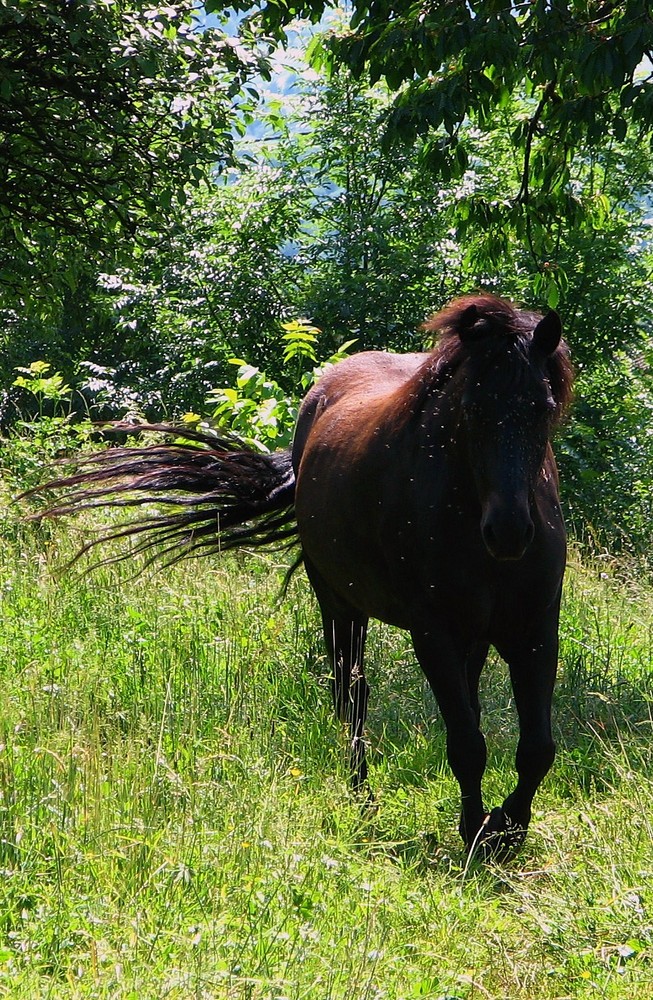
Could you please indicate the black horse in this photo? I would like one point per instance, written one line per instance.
(424, 492)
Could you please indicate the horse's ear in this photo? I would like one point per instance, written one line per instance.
(547, 333)
(471, 325)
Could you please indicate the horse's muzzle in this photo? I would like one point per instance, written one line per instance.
(507, 533)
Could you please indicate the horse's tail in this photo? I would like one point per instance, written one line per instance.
(211, 493)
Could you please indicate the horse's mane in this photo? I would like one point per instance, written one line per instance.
(495, 321)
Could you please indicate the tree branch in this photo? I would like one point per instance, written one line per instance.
(523, 195)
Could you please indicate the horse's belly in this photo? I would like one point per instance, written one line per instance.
(409, 578)
(354, 571)
(399, 573)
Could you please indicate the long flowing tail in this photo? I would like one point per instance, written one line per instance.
(211, 494)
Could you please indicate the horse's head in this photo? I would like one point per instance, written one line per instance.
(512, 380)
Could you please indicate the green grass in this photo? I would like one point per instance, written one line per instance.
(175, 820)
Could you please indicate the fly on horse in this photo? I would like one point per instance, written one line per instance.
(424, 493)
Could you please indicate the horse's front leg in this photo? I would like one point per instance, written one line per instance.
(533, 666)
(474, 665)
(445, 665)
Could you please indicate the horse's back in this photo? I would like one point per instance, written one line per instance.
(355, 392)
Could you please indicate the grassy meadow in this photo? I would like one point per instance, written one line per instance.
(175, 820)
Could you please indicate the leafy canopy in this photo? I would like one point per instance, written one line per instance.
(108, 108)
(583, 67)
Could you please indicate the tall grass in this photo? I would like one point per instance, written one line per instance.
(175, 819)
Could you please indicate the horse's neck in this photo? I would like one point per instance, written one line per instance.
(429, 398)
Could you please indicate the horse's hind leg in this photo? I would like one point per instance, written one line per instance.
(345, 632)
(345, 641)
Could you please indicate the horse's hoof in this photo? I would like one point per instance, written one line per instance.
(499, 838)
(367, 798)
(364, 796)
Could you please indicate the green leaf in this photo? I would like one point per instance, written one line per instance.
(553, 296)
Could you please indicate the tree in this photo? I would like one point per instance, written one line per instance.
(317, 223)
(373, 247)
(584, 69)
(107, 111)
(322, 223)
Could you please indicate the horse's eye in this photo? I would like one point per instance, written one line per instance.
(545, 407)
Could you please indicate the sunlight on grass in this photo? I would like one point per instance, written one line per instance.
(175, 819)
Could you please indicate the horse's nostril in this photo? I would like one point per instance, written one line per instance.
(488, 536)
(507, 537)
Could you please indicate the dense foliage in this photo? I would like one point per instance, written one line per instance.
(157, 286)
(106, 111)
(584, 69)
